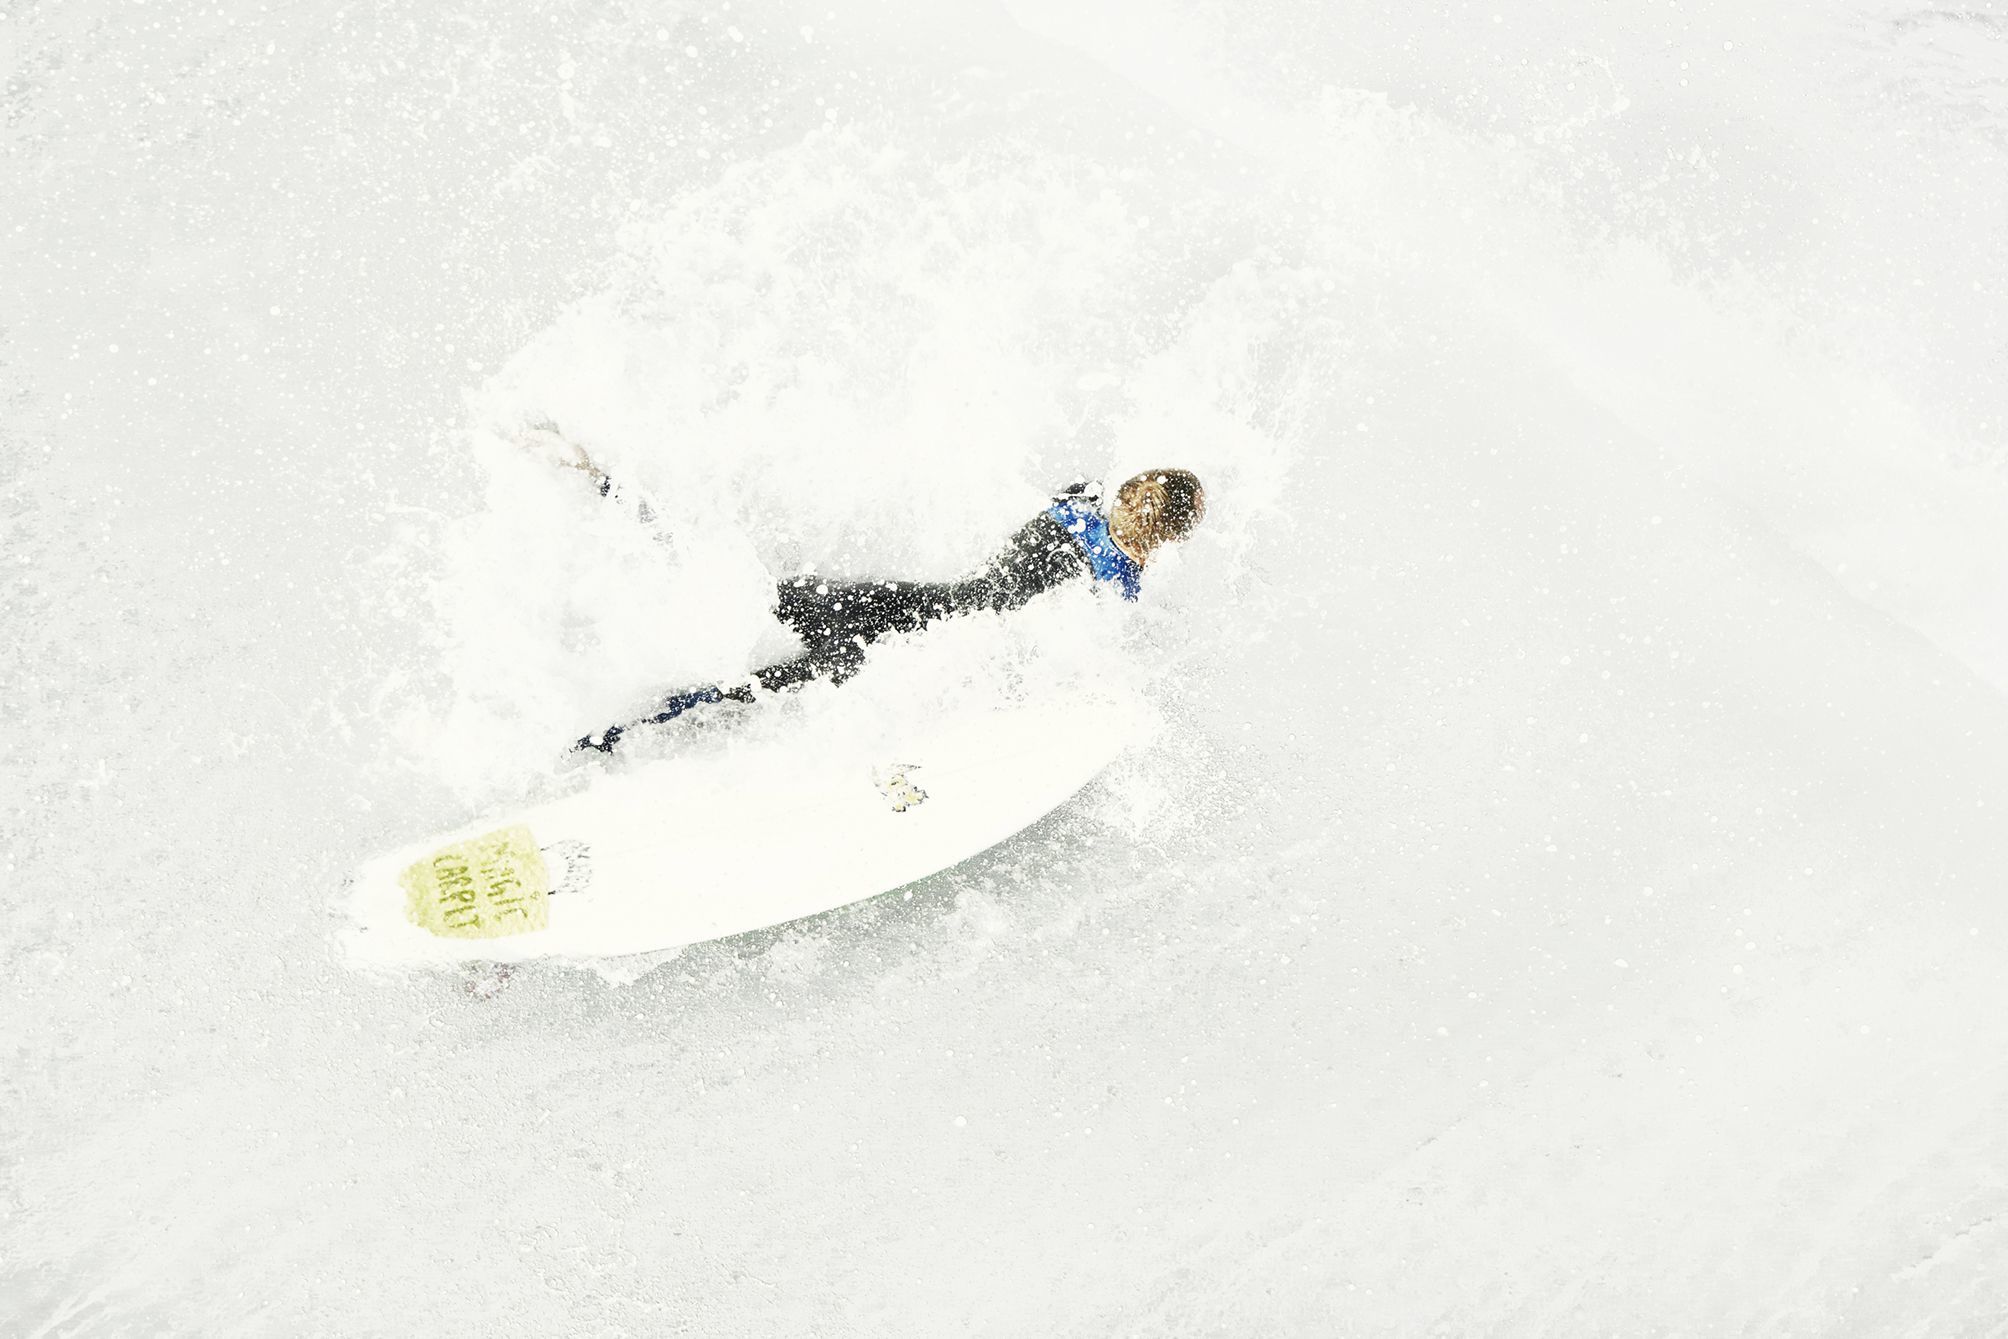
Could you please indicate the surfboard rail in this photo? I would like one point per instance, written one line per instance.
(678, 851)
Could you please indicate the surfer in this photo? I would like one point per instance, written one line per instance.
(1073, 538)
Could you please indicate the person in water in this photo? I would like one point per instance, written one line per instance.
(1071, 540)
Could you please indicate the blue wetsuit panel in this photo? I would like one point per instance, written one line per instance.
(1091, 530)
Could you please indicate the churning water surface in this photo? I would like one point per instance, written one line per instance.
(1564, 890)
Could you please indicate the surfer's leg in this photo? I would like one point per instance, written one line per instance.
(676, 704)
(835, 661)
(786, 675)
(824, 613)
(669, 709)
(604, 741)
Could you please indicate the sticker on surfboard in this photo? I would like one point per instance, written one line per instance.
(487, 887)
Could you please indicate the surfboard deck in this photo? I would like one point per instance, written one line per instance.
(683, 850)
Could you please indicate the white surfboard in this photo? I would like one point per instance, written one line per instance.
(683, 850)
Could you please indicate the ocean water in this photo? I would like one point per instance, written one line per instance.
(1564, 893)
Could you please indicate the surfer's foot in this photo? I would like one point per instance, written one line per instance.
(541, 439)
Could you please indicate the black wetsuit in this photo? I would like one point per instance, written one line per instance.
(836, 620)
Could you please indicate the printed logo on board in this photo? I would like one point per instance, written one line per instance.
(487, 887)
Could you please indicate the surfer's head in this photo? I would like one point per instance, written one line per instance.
(1156, 508)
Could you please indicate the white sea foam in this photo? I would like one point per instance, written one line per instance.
(1560, 893)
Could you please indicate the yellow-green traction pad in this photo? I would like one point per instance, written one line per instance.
(483, 888)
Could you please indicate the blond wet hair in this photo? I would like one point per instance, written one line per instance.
(1155, 508)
